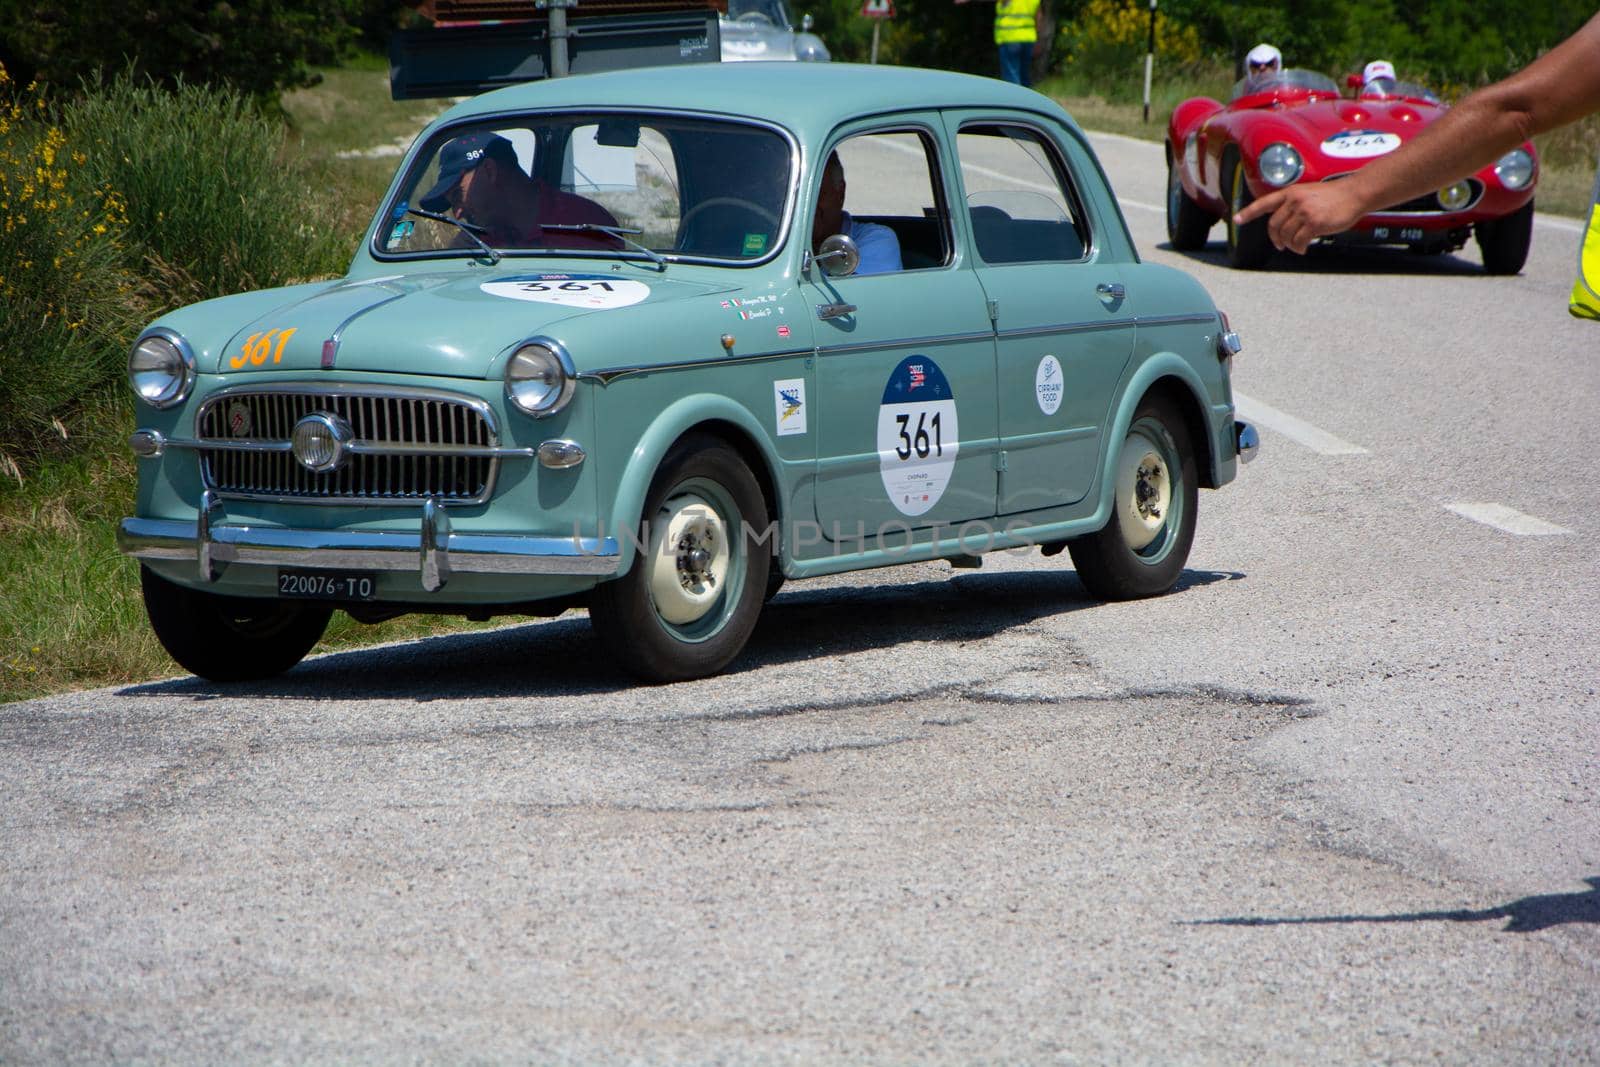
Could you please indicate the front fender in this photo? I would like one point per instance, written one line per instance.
(675, 420)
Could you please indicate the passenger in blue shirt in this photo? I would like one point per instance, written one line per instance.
(880, 248)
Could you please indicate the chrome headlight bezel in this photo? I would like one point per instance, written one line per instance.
(1279, 164)
(539, 377)
(161, 368)
(1515, 169)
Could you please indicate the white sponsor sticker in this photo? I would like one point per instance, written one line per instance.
(1047, 385)
(570, 290)
(1360, 144)
(918, 435)
(789, 402)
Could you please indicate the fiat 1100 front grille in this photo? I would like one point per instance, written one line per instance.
(393, 445)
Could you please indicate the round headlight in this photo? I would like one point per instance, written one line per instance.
(161, 369)
(1280, 164)
(1455, 196)
(536, 381)
(1515, 169)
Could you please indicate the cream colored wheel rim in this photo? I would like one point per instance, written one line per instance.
(1144, 492)
(689, 558)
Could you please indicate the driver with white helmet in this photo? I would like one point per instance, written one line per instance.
(1377, 78)
(1263, 63)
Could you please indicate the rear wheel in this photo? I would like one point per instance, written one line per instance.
(1249, 247)
(689, 602)
(1504, 242)
(230, 638)
(1142, 549)
(1188, 223)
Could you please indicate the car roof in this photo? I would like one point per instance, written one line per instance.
(801, 96)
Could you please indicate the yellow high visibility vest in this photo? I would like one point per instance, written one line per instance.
(1013, 21)
(1585, 300)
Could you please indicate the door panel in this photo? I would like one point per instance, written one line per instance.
(905, 406)
(1064, 334)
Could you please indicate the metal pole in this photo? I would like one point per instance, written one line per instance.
(558, 36)
(1149, 60)
(876, 23)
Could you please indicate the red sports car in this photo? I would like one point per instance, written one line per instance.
(1294, 126)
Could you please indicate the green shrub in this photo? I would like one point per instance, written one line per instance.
(215, 202)
(67, 301)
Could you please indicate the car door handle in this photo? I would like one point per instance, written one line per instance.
(1112, 291)
(834, 311)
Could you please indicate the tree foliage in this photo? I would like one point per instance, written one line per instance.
(257, 47)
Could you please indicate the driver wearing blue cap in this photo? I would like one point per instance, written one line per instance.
(480, 181)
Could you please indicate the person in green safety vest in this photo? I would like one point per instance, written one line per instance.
(1016, 37)
(1559, 87)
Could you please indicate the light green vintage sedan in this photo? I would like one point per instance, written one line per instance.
(653, 342)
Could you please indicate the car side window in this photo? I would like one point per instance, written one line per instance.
(891, 184)
(1020, 198)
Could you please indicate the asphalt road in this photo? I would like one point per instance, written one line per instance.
(1334, 799)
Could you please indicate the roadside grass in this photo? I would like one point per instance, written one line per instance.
(72, 617)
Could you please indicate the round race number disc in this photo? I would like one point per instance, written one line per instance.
(570, 290)
(917, 435)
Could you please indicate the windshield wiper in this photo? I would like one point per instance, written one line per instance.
(471, 229)
(619, 232)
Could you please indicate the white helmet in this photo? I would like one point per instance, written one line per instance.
(1378, 68)
(1264, 59)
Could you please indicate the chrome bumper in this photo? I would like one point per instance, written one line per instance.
(1246, 441)
(433, 552)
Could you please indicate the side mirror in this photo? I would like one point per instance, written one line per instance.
(1352, 81)
(806, 22)
(838, 256)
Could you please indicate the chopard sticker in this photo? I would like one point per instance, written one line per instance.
(1360, 144)
(917, 435)
(755, 244)
(570, 290)
(789, 400)
(1047, 385)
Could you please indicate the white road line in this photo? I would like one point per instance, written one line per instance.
(1319, 441)
(1141, 205)
(1507, 520)
(1555, 222)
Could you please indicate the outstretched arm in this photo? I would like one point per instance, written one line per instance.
(1560, 86)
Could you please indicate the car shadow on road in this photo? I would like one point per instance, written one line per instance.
(1523, 916)
(560, 657)
(1346, 260)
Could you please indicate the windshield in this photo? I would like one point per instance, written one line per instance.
(758, 11)
(1287, 82)
(1383, 88)
(611, 184)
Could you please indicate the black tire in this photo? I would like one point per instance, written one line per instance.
(1249, 247)
(672, 617)
(1188, 224)
(1504, 242)
(1137, 553)
(230, 638)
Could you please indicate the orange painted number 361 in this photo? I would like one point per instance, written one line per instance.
(258, 346)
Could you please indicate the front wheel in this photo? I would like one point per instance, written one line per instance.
(1188, 223)
(230, 638)
(1504, 242)
(1249, 247)
(1142, 549)
(689, 602)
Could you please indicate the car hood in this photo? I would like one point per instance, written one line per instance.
(452, 325)
(1345, 133)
